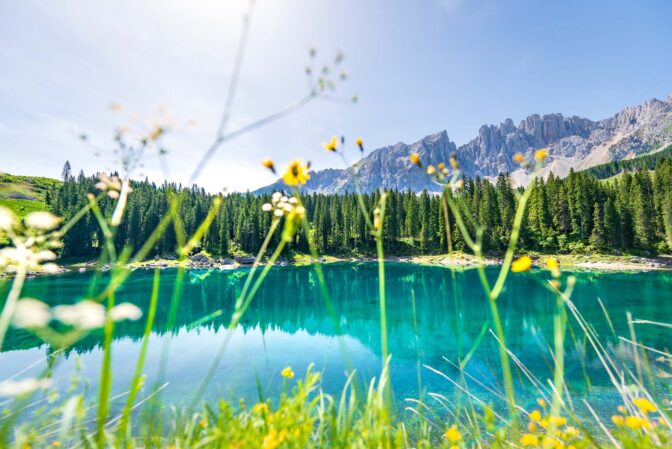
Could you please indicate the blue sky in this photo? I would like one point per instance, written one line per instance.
(418, 67)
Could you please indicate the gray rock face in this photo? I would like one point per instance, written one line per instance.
(573, 142)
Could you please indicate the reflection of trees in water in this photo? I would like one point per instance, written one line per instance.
(449, 307)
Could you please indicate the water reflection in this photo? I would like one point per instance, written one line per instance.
(435, 317)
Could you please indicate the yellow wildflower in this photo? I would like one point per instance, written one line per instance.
(558, 420)
(535, 416)
(635, 422)
(453, 162)
(431, 170)
(621, 409)
(268, 163)
(459, 183)
(332, 145)
(441, 166)
(529, 439)
(287, 373)
(260, 407)
(271, 440)
(415, 159)
(618, 420)
(644, 405)
(553, 265)
(518, 158)
(521, 264)
(297, 173)
(360, 143)
(452, 434)
(541, 154)
(56, 444)
(532, 427)
(541, 403)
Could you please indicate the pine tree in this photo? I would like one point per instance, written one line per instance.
(66, 173)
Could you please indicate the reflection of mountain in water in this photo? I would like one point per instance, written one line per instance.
(447, 317)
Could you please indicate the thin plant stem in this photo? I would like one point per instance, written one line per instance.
(10, 303)
(105, 377)
(137, 375)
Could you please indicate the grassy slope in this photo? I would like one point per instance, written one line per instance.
(31, 191)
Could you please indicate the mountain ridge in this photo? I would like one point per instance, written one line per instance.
(574, 143)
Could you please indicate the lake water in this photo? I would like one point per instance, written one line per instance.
(434, 317)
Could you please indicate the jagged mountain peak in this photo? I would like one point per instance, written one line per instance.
(573, 142)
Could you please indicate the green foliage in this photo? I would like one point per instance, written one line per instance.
(573, 214)
(646, 162)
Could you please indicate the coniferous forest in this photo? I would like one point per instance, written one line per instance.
(579, 213)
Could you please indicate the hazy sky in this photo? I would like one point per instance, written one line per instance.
(418, 67)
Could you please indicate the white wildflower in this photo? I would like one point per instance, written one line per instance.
(278, 212)
(42, 220)
(50, 268)
(276, 197)
(45, 254)
(31, 313)
(125, 311)
(293, 200)
(7, 219)
(20, 387)
(267, 207)
(83, 315)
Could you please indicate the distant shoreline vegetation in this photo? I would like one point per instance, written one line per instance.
(577, 214)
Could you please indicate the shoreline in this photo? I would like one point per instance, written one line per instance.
(462, 261)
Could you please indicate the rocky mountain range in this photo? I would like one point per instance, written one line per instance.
(573, 142)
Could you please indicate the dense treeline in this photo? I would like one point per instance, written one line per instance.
(577, 213)
(647, 162)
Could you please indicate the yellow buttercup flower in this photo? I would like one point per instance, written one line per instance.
(529, 439)
(431, 170)
(332, 145)
(532, 427)
(541, 154)
(260, 407)
(518, 158)
(441, 166)
(287, 373)
(618, 420)
(360, 143)
(415, 159)
(268, 163)
(644, 405)
(535, 416)
(521, 264)
(635, 422)
(558, 421)
(297, 173)
(452, 434)
(552, 264)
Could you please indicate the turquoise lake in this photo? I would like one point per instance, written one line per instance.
(434, 317)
